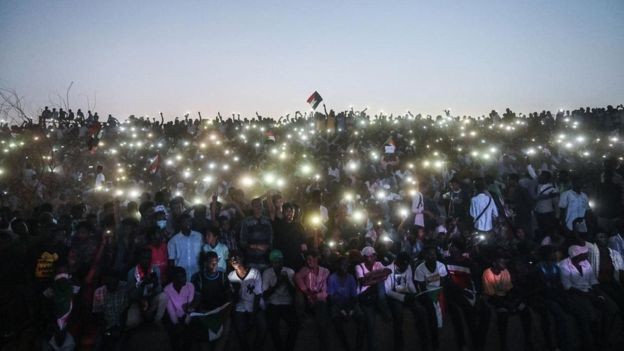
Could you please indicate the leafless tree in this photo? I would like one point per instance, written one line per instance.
(12, 106)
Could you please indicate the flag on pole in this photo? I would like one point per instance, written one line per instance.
(269, 136)
(154, 165)
(314, 100)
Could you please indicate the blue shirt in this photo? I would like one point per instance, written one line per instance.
(184, 251)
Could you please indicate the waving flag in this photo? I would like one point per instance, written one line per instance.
(154, 164)
(314, 100)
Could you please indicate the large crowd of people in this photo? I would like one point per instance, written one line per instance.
(229, 232)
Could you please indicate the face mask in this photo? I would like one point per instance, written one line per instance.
(161, 224)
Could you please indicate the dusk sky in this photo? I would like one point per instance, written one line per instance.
(142, 57)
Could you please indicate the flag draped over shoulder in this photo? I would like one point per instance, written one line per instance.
(314, 100)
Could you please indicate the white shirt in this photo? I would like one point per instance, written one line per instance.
(546, 205)
(184, 251)
(576, 205)
(250, 286)
(418, 207)
(483, 203)
(432, 279)
(99, 180)
(281, 296)
(572, 278)
(398, 284)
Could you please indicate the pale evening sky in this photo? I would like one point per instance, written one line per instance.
(142, 57)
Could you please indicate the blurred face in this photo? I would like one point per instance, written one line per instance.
(180, 279)
(289, 214)
(236, 262)
(146, 259)
(185, 225)
(312, 261)
(499, 264)
(211, 264)
(430, 256)
(602, 239)
(370, 260)
(257, 208)
(277, 264)
(402, 265)
(278, 202)
(111, 283)
(343, 267)
(211, 238)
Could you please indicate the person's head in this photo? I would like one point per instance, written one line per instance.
(342, 265)
(369, 255)
(578, 253)
(547, 253)
(311, 257)
(456, 248)
(402, 261)
(277, 259)
(200, 211)
(110, 279)
(237, 261)
(499, 263)
(256, 207)
(83, 231)
(212, 235)
(145, 257)
(185, 223)
(224, 222)
(178, 277)
(209, 261)
(577, 184)
(430, 255)
(289, 212)
(544, 177)
(479, 185)
(602, 240)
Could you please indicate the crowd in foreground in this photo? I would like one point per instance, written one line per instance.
(231, 232)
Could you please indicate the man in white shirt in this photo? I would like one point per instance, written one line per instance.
(546, 200)
(482, 208)
(247, 285)
(99, 178)
(279, 290)
(184, 248)
(418, 208)
(573, 204)
(401, 294)
(579, 280)
(431, 276)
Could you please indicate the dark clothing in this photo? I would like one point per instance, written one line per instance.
(609, 197)
(286, 313)
(213, 290)
(288, 238)
(256, 231)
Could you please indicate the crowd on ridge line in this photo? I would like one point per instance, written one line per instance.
(454, 219)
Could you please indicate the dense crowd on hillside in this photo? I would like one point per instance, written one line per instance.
(217, 230)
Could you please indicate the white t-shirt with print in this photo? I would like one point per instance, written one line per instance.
(432, 279)
(250, 286)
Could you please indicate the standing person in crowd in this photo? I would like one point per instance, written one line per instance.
(289, 237)
(100, 179)
(279, 290)
(212, 291)
(184, 247)
(311, 281)
(482, 209)
(401, 292)
(256, 237)
(609, 201)
(498, 290)
(546, 201)
(229, 236)
(431, 276)
(585, 302)
(342, 295)
(463, 297)
(574, 204)
(371, 275)
(550, 299)
(148, 302)
(180, 295)
(246, 283)
(213, 243)
(616, 241)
